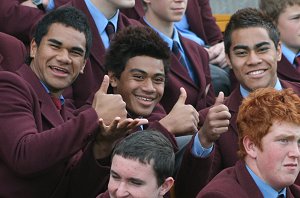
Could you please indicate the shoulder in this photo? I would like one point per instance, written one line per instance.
(123, 19)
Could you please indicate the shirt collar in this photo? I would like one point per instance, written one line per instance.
(61, 98)
(289, 54)
(165, 38)
(245, 92)
(264, 188)
(99, 19)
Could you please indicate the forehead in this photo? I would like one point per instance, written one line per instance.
(250, 36)
(284, 128)
(133, 168)
(145, 63)
(65, 34)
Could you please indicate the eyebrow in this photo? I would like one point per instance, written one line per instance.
(129, 179)
(258, 45)
(143, 72)
(78, 49)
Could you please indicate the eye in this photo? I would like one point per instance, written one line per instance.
(159, 80)
(240, 53)
(263, 49)
(136, 183)
(114, 176)
(54, 46)
(284, 141)
(76, 53)
(138, 77)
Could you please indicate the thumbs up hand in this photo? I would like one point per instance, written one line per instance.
(216, 122)
(183, 119)
(108, 106)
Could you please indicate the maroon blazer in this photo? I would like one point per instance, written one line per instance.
(12, 19)
(40, 147)
(199, 16)
(225, 148)
(12, 52)
(286, 71)
(237, 182)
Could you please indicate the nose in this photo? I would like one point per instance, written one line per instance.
(121, 191)
(63, 56)
(295, 150)
(253, 58)
(148, 85)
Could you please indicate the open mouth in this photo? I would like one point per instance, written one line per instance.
(59, 70)
(256, 72)
(144, 99)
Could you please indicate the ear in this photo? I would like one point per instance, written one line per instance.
(250, 147)
(83, 66)
(228, 60)
(278, 51)
(166, 186)
(33, 48)
(113, 80)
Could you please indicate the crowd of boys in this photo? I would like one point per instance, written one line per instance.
(133, 99)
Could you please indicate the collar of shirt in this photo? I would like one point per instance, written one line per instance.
(165, 38)
(61, 98)
(289, 54)
(101, 21)
(265, 189)
(183, 27)
(245, 92)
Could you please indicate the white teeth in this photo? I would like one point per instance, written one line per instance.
(145, 99)
(60, 69)
(256, 72)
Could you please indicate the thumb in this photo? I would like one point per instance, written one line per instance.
(104, 85)
(182, 96)
(219, 99)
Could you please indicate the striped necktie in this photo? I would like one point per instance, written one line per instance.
(110, 30)
(297, 63)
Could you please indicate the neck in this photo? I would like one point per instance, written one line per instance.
(165, 27)
(105, 7)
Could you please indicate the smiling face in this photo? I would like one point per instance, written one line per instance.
(253, 57)
(288, 25)
(277, 163)
(59, 58)
(141, 84)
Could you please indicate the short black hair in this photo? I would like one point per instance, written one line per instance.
(148, 147)
(247, 18)
(68, 16)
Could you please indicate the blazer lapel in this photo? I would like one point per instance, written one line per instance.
(233, 102)
(48, 109)
(286, 71)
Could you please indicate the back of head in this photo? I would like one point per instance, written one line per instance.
(135, 41)
(273, 8)
(261, 109)
(248, 18)
(149, 147)
(68, 16)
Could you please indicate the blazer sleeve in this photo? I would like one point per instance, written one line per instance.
(18, 20)
(193, 174)
(28, 145)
